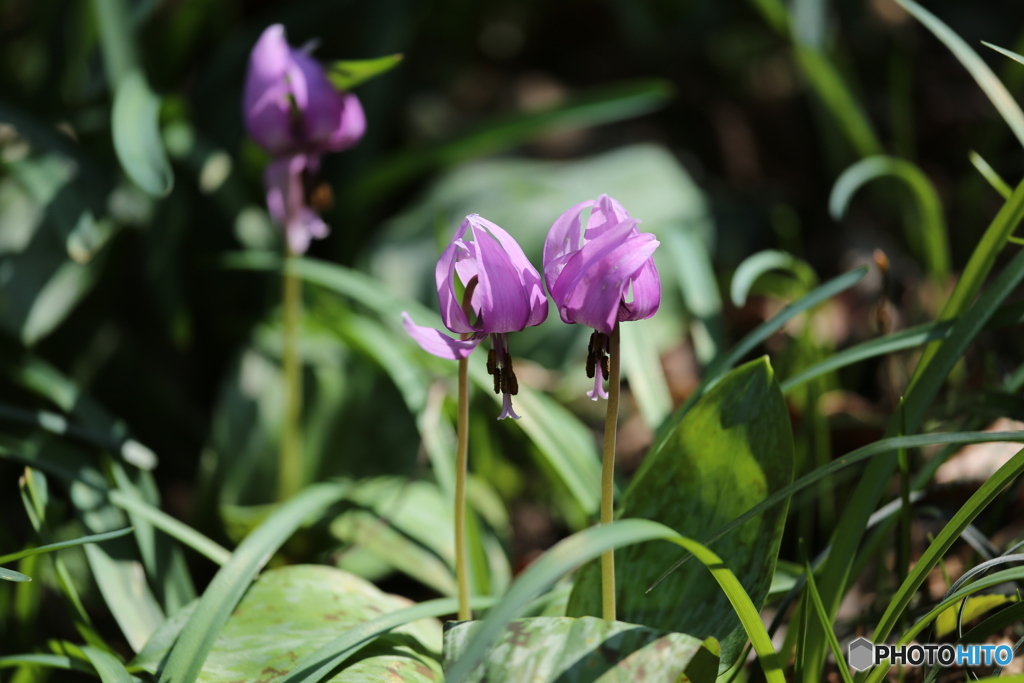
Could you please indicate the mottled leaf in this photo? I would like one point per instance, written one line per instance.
(731, 451)
(586, 650)
(292, 611)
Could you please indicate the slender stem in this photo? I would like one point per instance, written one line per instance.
(608, 474)
(291, 433)
(461, 466)
(461, 470)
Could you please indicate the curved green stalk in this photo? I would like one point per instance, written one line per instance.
(608, 474)
(291, 432)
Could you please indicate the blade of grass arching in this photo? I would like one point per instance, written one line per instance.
(872, 450)
(830, 634)
(591, 108)
(724, 363)
(877, 674)
(94, 538)
(171, 526)
(852, 524)
(317, 665)
(964, 516)
(588, 544)
(758, 264)
(1006, 53)
(185, 660)
(109, 669)
(989, 174)
(930, 239)
(979, 70)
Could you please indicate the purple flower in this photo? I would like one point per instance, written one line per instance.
(602, 275)
(294, 112)
(290, 105)
(504, 294)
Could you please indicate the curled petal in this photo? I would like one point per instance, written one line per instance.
(528, 275)
(606, 214)
(351, 126)
(562, 240)
(437, 342)
(504, 305)
(578, 266)
(452, 314)
(596, 300)
(646, 294)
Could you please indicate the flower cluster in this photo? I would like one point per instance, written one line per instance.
(597, 276)
(294, 112)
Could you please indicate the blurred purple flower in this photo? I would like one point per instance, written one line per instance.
(294, 112)
(505, 295)
(591, 273)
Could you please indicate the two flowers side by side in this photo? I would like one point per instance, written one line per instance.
(597, 275)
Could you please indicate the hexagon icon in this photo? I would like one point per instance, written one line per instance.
(861, 654)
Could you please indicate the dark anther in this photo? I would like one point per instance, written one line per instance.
(604, 366)
(508, 376)
(492, 362)
(497, 380)
(591, 364)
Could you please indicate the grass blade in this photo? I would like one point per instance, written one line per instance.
(136, 127)
(979, 70)
(185, 660)
(161, 520)
(724, 363)
(758, 264)
(950, 533)
(589, 544)
(989, 174)
(109, 669)
(49, 661)
(95, 538)
(830, 634)
(930, 240)
(11, 575)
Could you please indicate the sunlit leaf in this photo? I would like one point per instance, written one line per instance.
(347, 74)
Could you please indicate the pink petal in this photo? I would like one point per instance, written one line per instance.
(444, 273)
(606, 214)
(504, 304)
(646, 294)
(579, 264)
(528, 275)
(562, 240)
(596, 299)
(266, 109)
(437, 343)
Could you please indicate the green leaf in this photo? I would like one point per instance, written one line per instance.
(946, 622)
(979, 70)
(587, 545)
(758, 264)
(110, 670)
(989, 174)
(171, 526)
(95, 538)
(724, 363)
(292, 612)
(591, 650)
(830, 634)
(730, 452)
(50, 661)
(1003, 51)
(317, 665)
(186, 658)
(11, 575)
(930, 239)
(136, 128)
(347, 74)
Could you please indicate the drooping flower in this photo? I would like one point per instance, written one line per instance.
(601, 275)
(504, 295)
(294, 112)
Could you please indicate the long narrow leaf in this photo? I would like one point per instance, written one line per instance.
(185, 660)
(589, 544)
(95, 538)
(11, 575)
(172, 527)
(109, 669)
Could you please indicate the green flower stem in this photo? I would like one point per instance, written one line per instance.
(291, 433)
(608, 474)
(461, 466)
(461, 469)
